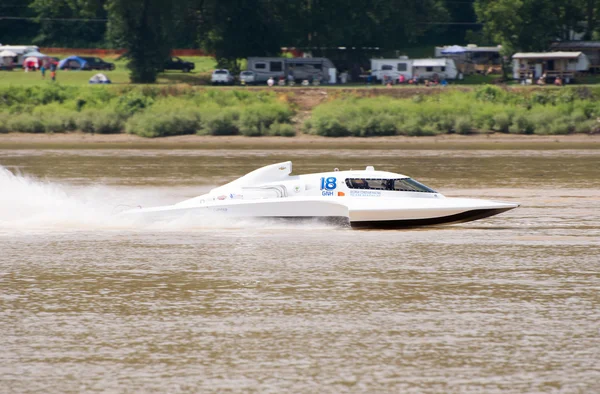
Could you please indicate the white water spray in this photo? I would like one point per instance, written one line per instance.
(28, 203)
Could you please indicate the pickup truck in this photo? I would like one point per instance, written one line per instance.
(221, 76)
(175, 63)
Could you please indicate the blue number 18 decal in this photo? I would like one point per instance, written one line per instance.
(328, 183)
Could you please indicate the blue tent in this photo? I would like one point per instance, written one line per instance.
(454, 50)
(69, 61)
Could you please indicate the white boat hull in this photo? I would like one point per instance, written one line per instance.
(357, 214)
(361, 199)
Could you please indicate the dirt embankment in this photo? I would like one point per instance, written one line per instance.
(302, 141)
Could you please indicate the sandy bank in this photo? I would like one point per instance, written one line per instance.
(447, 141)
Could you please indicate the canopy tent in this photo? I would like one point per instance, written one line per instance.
(454, 50)
(99, 79)
(31, 62)
(35, 54)
(72, 62)
(7, 53)
(547, 55)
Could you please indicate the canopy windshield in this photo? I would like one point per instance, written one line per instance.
(403, 185)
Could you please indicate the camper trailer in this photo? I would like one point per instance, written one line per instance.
(310, 68)
(384, 69)
(442, 68)
(564, 65)
(20, 51)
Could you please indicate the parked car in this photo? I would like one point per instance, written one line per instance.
(248, 77)
(175, 63)
(95, 63)
(221, 76)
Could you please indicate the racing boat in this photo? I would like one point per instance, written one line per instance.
(361, 198)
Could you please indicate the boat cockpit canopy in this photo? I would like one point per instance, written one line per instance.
(400, 185)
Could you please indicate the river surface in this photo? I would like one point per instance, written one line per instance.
(91, 302)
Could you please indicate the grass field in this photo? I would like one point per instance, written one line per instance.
(200, 75)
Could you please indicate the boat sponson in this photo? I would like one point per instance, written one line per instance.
(456, 218)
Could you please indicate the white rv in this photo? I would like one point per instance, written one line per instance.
(20, 51)
(443, 68)
(299, 68)
(383, 69)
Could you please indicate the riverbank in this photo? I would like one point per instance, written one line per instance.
(78, 140)
(257, 112)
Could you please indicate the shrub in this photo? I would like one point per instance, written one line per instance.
(26, 123)
(35, 95)
(3, 125)
(254, 130)
(282, 130)
(99, 122)
(587, 127)
(220, 122)
(55, 124)
(160, 123)
(367, 125)
(490, 93)
(256, 119)
(502, 122)
(132, 103)
(328, 127)
(521, 125)
(561, 126)
(463, 126)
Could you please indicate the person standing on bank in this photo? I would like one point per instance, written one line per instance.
(53, 72)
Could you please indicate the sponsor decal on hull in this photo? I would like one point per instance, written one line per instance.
(365, 193)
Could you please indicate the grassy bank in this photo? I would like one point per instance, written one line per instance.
(144, 111)
(483, 110)
(182, 110)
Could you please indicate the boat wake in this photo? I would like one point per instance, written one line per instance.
(28, 203)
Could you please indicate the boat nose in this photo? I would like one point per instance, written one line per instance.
(508, 205)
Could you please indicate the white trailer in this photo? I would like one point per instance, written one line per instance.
(442, 68)
(383, 69)
(20, 51)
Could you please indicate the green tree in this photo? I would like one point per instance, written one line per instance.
(144, 29)
(591, 10)
(529, 25)
(15, 25)
(381, 23)
(70, 23)
(234, 29)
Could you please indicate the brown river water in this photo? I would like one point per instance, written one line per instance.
(91, 302)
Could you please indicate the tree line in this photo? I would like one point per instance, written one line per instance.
(234, 29)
